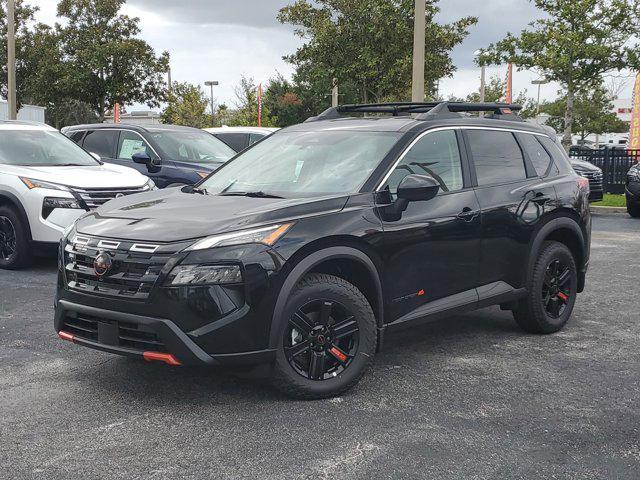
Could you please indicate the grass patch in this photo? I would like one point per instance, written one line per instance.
(610, 200)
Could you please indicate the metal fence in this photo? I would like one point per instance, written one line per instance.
(614, 162)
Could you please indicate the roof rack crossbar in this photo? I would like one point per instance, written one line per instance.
(427, 110)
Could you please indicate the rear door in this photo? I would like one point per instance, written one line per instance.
(432, 250)
(513, 198)
(130, 143)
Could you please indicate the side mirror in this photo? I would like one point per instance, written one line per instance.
(415, 188)
(412, 188)
(153, 164)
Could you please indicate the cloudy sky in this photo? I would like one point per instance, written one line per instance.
(222, 40)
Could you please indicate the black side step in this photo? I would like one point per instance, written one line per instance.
(491, 294)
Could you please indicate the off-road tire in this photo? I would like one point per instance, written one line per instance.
(22, 256)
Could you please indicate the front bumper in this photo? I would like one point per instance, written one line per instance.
(139, 336)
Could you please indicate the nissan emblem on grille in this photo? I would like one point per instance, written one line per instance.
(102, 264)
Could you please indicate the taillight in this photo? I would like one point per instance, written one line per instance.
(583, 184)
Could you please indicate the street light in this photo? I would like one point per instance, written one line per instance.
(211, 83)
(539, 82)
(476, 54)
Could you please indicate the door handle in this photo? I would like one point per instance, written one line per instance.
(467, 214)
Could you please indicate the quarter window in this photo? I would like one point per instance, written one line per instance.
(435, 154)
(538, 155)
(497, 157)
(102, 142)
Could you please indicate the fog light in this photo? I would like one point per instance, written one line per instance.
(204, 275)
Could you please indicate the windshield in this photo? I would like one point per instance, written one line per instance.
(294, 164)
(192, 146)
(48, 148)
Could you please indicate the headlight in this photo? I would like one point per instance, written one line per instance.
(266, 235)
(32, 183)
(51, 203)
(204, 275)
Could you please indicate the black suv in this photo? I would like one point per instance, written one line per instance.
(300, 253)
(170, 155)
(632, 191)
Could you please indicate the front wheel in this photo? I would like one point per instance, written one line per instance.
(15, 251)
(328, 341)
(633, 209)
(552, 287)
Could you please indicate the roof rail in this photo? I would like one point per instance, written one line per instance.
(426, 110)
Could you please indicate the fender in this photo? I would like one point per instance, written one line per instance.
(305, 265)
(548, 228)
(15, 202)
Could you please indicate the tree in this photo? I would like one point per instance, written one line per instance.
(283, 101)
(246, 111)
(23, 16)
(107, 62)
(187, 105)
(575, 44)
(368, 46)
(593, 114)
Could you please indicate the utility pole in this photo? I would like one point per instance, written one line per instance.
(539, 83)
(169, 79)
(417, 89)
(477, 53)
(334, 93)
(11, 59)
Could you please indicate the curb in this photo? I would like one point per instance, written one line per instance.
(603, 210)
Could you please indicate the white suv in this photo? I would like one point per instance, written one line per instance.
(46, 183)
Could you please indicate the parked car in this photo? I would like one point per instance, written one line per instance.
(170, 155)
(632, 191)
(593, 174)
(46, 183)
(239, 138)
(300, 253)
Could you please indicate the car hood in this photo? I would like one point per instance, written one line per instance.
(90, 176)
(171, 215)
(581, 164)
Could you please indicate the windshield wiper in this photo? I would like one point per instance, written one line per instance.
(258, 194)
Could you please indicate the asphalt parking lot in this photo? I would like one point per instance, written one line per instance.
(467, 397)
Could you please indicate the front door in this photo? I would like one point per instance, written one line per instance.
(432, 250)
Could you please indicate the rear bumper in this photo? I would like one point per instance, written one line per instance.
(139, 336)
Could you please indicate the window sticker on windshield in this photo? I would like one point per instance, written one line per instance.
(131, 147)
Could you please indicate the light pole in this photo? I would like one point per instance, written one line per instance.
(539, 83)
(211, 83)
(417, 88)
(11, 59)
(477, 53)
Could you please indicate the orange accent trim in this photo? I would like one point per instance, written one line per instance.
(66, 336)
(161, 357)
(336, 352)
(203, 174)
(273, 237)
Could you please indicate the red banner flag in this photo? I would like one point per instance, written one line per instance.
(509, 92)
(634, 125)
(260, 105)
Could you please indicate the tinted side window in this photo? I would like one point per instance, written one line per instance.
(538, 155)
(497, 157)
(237, 141)
(435, 154)
(254, 137)
(77, 137)
(102, 142)
(561, 160)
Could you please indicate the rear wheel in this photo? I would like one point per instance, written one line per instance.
(15, 251)
(329, 340)
(551, 291)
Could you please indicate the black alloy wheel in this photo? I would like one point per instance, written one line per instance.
(556, 288)
(321, 339)
(7, 239)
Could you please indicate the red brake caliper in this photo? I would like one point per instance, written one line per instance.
(339, 354)
(563, 297)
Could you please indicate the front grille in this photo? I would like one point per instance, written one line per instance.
(594, 177)
(133, 271)
(95, 197)
(112, 332)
